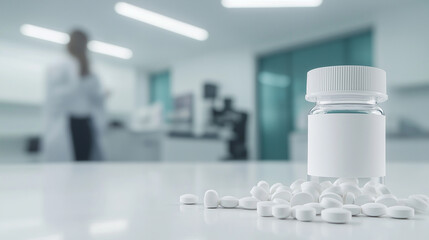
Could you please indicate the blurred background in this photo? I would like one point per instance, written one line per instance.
(204, 81)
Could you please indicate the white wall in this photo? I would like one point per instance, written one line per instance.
(234, 71)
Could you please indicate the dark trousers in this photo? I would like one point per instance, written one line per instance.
(82, 139)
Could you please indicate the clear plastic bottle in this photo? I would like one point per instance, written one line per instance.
(346, 128)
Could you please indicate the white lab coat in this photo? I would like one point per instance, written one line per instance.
(64, 86)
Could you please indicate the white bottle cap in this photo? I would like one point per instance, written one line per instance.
(345, 81)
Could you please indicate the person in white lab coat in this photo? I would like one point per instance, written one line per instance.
(74, 114)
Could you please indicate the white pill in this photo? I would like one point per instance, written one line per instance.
(264, 208)
(374, 209)
(388, 200)
(330, 195)
(316, 207)
(400, 212)
(371, 183)
(402, 201)
(334, 189)
(349, 198)
(281, 211)
(311, 185)
(325, 185)
(336, 215)
(348, 187)
(363, 199)
(229, 202)
(354, 209)
(305, 214)
(293, 210)
(301, 199)
(280, 201)
(283, 187)
(383, 189)
(274, 187)
(259, 193)
(188, 199)
(330, 203)
(298, 190)
(283, 194)
(313, 192)
(248, 203)
(211, 199)
(417, 203)
(421, 196)
(343, 180)
(263, 184)
(296, 184)
(371, 190)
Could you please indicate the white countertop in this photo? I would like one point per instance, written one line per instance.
(140, 201)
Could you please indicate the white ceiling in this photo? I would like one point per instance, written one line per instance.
(156, 48)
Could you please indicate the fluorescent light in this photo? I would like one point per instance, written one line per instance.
(63, 38)
(270, 3)
(108, 227)
(110, 49)
(161, 21)
(44, 34)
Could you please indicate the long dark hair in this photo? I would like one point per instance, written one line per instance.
(77, 47)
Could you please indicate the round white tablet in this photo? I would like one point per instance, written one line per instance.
(281, 211)
(343, 180)
(229, 202)
(334, 189)
(383, 189)
(417, 203)
(264, 208)
(354, 209)
(330, 203)
(374, 209)
(280, 201)
(293, 210)
(274, 187)
(188, 199)
(349, 198)
(363, 199)
(305, 214)
(330, 195)
(296, 184)
(336, 215)
(259, 193)
(325, 185)
(248, 203)
(400, 212)
(388, 200)
(263, 184)
(316, 207)
(311, 185)
(348, 187)
(283, 187)
(211, 199)
(301, 199)
(283, 194)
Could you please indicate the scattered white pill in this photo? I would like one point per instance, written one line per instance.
(371, 190)
(349, 198)
(311, 185)
(293, 210)
(336, 215)
(363, 199)
(334, 189)
(264, 208)
(325, 185)
(330, 203)
(297, 184)
(259, 193)
(402, 212)
(281, 211)
(402, 201)
(301, 199)
(374, 209)
(421, 196)
(211, 199)
(283, 187)
(330, 195)
(383, 189)
(280, 201)
(188, 199)
(417, 203)
(354, 209)
(298, 190)
(229, 202)
(371, 183)
(316, 207)
(305, 214)
(343, 180)
(282, 194)
(388, 200)
(248, 203)
(274, 187)
(313, 192)
(263, 184)
(349, 187)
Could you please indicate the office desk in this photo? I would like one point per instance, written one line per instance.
(140, 201)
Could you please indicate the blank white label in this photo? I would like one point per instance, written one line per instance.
(347, 145)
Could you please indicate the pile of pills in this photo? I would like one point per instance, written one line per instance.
(302, 200)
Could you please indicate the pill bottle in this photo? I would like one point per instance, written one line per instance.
(347, 127)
